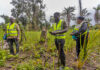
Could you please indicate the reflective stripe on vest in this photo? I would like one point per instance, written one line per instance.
(59, 27)
(11, 30)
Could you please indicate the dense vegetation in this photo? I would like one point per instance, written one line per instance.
(34, 56)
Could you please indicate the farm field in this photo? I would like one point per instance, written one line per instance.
(35, 56)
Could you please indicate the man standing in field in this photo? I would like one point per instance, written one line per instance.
(59, 30)
(13, 33)
(80, 34)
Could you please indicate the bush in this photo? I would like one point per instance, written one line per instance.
(30, 65)
(3, 56)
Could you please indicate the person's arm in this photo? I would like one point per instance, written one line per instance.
(63, 30)
(82, 29)
(18, 29)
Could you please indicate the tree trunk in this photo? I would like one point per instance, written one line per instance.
(80, 6)
(68, 19)
(97, 17)
(43, 36)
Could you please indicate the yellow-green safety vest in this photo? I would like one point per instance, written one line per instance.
(59, 27)
(77, 29)
(11, 30)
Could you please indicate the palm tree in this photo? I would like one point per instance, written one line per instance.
(85, 12)
(68, 13)
(97, 14)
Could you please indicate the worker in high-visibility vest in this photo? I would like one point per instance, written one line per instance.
(13, 34)
(80, 34)
(59, 30)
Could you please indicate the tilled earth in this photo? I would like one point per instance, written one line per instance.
(92, 63)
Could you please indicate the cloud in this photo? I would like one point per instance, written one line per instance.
(51, 6)
(5, 8)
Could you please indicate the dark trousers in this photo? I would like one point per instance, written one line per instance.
(82, 42)
(59, 45)
(10, 42)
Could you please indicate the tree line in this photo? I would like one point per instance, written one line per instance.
(31, 13)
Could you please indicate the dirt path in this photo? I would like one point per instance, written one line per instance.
(70, 60)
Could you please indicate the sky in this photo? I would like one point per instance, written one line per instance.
(5, 8)
(58, 5)
(52, 6)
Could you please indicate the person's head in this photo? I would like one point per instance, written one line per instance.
(80, 19)
(56, 16)
(12, 19)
